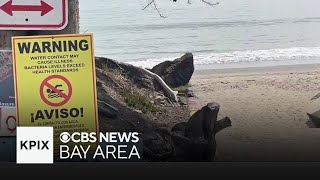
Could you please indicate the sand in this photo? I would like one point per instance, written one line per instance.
(267, 106)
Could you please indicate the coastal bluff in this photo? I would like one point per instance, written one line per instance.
(131, 100)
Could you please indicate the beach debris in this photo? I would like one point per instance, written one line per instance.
(183, 102)
(172, 94)
(201, 130)
(204, 122)
(251, 80)
(190, 92)
(187, 141)
(138, 111)
(315, 118)
(226, 82)
(176, 73)
(315, 97)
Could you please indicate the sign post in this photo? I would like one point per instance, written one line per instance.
(55, 83)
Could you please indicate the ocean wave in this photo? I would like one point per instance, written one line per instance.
(210, 24)
(294, 53)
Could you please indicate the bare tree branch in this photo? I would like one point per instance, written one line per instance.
(153, 2)
(148, 5)
(155, 6)
(209, 3)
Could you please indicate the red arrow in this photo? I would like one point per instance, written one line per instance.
(9, 8)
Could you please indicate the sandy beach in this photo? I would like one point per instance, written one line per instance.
(267, 106)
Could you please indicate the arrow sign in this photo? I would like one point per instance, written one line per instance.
(33, 14)
(8, 8)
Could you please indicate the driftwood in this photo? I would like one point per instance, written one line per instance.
(203, 126)
(315, 118)
(202, 123)
(222, 124)
(172, 94)
(189, 141)
(315, 97)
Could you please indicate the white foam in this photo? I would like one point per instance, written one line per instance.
(295, 53)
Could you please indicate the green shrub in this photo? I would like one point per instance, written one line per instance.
(137, 101)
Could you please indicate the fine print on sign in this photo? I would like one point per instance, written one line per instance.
(55, 82)
(33, 15)
(7, 106)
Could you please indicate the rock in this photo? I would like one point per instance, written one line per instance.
(159, 97)
(176, 73)
(190, 93)
(107, 110)
(162, 103)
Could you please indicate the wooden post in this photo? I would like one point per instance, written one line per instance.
(72, 27)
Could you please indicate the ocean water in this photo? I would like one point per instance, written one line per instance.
(234, 32)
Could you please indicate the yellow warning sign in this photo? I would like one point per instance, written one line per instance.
(55, 82)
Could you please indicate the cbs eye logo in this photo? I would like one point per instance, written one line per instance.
(78, 137)
(65, 137)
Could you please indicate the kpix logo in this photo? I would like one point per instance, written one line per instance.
(34, 145)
